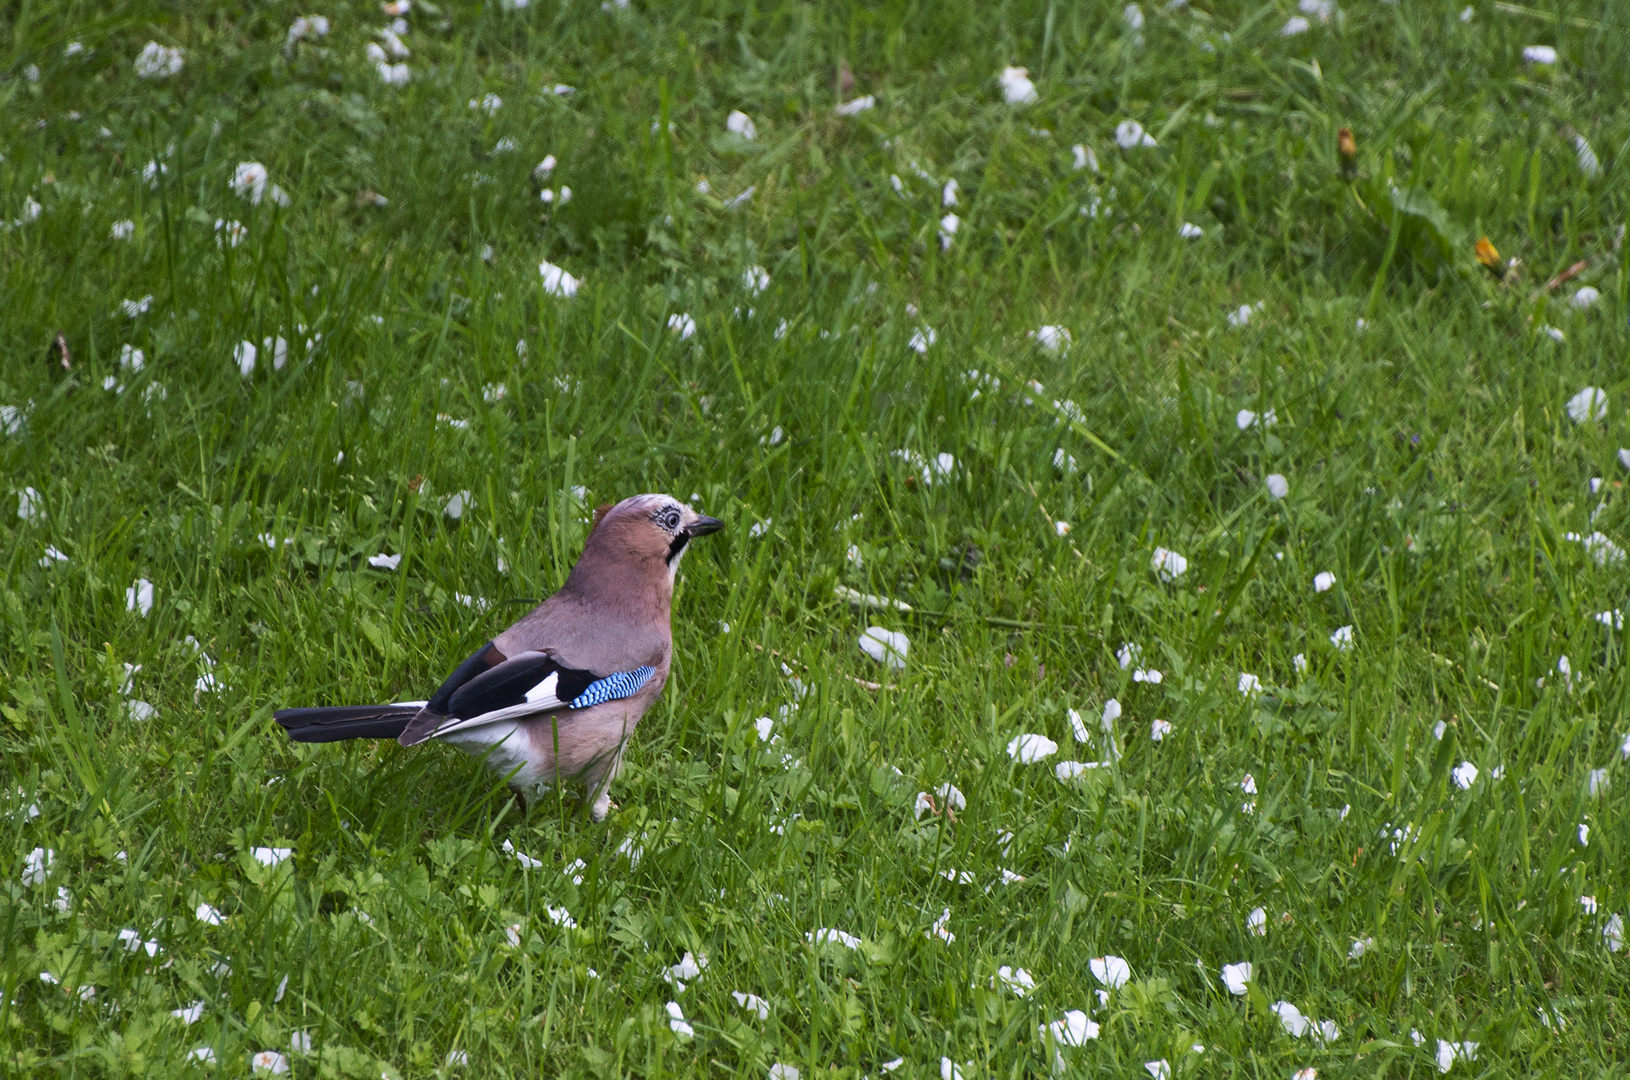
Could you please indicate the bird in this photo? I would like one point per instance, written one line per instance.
(553, 700)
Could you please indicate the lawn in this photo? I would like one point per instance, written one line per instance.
(1256, 536)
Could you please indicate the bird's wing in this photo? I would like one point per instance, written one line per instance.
(434, 712)
(531, 683)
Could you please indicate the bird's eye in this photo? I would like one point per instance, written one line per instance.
(667, 518)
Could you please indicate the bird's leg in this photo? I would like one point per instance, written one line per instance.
(600, 787)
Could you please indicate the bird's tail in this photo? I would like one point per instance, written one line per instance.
(347, 722)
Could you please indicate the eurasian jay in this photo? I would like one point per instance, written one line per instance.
(554, 699)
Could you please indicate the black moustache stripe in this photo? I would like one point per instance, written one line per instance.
(677, 546)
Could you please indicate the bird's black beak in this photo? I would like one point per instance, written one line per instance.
(703, 525)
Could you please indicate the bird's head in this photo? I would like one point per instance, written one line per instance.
(649, 529)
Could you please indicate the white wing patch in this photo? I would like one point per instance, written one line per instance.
(541, 698)
(544, 693)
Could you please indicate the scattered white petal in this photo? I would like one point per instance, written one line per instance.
(1257, 922)
(1291, 1019)
(1278, 486)
(1073, 1029)
(1245, 418)
(1129, 135)
(1359, 947)
(739, 123)
(1085, 159)
(139, 597)
(208, 915)
(1169, 565)
(556, 281)
(856, 107)
(1190, 231)
(269, 1061)
(1293, 26)
(457, 503)
(249, 181)
(1450, 1052)
(1029, 748)
(780, 1071)
(1017, 980)
(190, 1014)
(1613, 933)
(1052, 339)
(682, 324)
(1323, 581)
(885, 646)
(829, 935)
(1111, 971)
(1588, 163)
(1342, 639)
(527, 862)
(271, 856)
(384, 562)
(1017, 89)
(948, 227)
(1538, 54)
(1159, 1070)
(1236, 978)
(395, 75)
(689, 967)
(155, 61)
(1465, 775)
(1588, 404)
(753, 1003)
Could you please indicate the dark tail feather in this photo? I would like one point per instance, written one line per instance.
(346, 722)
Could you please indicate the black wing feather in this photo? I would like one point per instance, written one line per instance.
(482, 660)
(502, 686)
(507, 684)
(345, 722)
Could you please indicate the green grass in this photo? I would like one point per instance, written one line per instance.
(1432, 468)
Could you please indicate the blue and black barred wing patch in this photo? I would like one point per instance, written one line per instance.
(613, 687)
